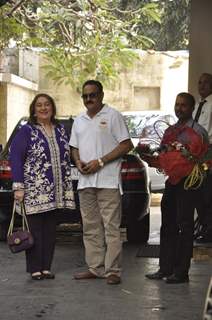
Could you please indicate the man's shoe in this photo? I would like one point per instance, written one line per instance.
(177, 279)
(85, 275)
(37, 276)
(48, 275)
(204, 239)
(156, 275)
(113, 279)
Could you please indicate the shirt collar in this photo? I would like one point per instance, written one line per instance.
(207, 99)
(103, 110)
(189, 123)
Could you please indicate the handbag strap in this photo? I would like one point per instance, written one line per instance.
(11, 226)
(25, 225)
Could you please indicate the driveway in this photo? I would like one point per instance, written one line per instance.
(135, 298)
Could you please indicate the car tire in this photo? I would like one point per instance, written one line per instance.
(3, 231)
(138, 231)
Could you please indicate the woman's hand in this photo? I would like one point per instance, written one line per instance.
(19, 195)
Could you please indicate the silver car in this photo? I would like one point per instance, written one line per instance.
(148, 127)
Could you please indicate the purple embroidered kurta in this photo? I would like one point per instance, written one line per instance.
(42, 164)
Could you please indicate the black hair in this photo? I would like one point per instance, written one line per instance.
(189, 98)
(93, 83)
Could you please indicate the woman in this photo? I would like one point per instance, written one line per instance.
(40, 161)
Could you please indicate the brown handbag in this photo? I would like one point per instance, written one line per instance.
(21, 239)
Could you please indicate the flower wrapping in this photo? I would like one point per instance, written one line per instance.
(180, 150)
(181, 156)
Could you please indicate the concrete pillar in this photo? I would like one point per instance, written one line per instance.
(200, 42)
(3, 113)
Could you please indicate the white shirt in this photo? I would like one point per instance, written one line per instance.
(96, 137)
(205, 118)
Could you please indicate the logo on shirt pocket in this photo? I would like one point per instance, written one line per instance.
(103, 124)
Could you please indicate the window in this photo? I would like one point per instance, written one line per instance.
(146, 98)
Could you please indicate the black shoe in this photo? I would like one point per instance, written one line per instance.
(204, 239)
(177, 279)
(156, 275)
(48, 275)
(37, 276)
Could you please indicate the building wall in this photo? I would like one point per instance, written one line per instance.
(15, 96)
(18, 99)
(3, 113)
(152, 83)
(67, 100)
(200, 46)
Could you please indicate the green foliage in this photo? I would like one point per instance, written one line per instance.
(10, 29)
(84, 39)
(93, 38)
(172, 31)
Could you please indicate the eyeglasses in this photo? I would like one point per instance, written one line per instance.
(91, 95)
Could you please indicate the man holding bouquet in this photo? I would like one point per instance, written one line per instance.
(182, 145)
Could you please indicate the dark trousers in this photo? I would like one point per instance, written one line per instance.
(43, 229)
(204, 207)
(176, 234)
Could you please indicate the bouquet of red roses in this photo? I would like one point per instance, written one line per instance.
(178, 160)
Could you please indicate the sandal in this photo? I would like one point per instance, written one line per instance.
(37, 276)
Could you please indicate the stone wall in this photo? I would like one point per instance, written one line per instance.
(18, 100)
(152, 83)
(15, 96)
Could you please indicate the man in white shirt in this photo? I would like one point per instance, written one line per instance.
(203, 115)
(99, 139)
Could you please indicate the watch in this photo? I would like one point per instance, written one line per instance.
(101, 163)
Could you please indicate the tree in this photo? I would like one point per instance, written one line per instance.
(10, 28)
(174, 30)
(172, 33)
(94, 38)
(82, 38)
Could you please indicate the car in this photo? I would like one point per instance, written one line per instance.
(148, 127)
(135, 198)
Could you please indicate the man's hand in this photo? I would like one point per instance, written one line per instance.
(151, 160)
(80, 166)
(91, 167)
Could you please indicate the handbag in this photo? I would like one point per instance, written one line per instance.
(21, 239)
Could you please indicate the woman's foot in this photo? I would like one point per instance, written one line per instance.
(37, 276)
(47, 274)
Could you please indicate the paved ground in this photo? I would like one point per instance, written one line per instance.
(64, 298)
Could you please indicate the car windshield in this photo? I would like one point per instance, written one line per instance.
(148, 126)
